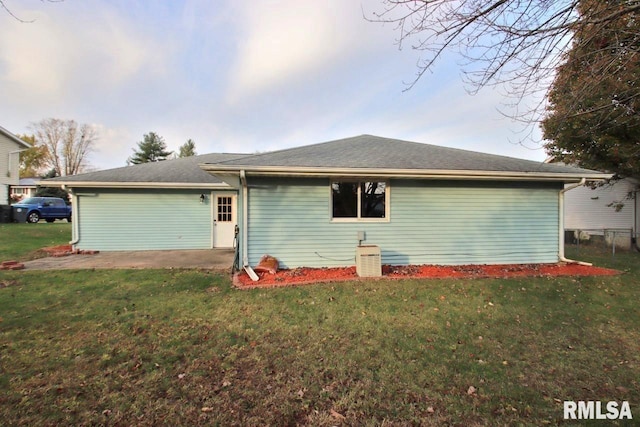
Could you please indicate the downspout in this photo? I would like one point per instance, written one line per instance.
(75, 204)
(634, 238)
(10, 165)
(245, 228)
(561, 256)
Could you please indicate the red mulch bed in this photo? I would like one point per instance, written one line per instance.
(303, 276)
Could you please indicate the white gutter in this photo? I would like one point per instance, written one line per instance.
(138, 185)
(303, 171)
(561, 256)
(245, 227)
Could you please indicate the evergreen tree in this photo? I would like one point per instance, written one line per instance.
(187, 149)
(151, 149)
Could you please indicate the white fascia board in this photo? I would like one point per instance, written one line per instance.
(168, 185)
(406, 173)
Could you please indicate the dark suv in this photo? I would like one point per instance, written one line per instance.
(35, 208)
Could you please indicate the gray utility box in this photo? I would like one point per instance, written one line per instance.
(368, 262)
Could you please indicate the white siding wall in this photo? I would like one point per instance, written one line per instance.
(431, 222)
(586, 209)
(9, 167)
(142, 219)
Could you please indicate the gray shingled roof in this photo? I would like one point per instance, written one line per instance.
(183, 170)
(364, 152)
(373, 152)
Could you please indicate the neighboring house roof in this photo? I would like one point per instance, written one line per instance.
(177, 173)
(14, 138)
(28, 182)
(377, 156)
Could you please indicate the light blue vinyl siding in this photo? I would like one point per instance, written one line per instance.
(143, 219)
(431, 222)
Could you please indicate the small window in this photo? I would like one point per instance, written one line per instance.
(359, 200)
(225, 214)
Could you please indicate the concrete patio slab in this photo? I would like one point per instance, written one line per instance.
(212, 259)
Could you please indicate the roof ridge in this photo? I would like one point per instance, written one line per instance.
(387, 139)
(283, 150)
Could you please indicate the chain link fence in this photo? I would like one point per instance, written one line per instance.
(617, 239)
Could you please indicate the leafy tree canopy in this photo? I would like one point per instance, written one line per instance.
(151, 149)
(593, 117)
(32, 161)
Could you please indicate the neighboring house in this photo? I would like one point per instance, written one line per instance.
(607, 208)
(26, 188)
(10, 148)
(312, 205)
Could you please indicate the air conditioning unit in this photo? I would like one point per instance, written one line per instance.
(368, 261)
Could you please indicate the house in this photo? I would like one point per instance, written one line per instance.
(152, 206)
(10, 148)
(312, 205)
(26, 188)
(604, 210)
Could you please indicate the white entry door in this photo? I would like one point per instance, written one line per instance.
(224, 219)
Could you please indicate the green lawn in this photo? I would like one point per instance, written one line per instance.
(176, 347)
(21, 242)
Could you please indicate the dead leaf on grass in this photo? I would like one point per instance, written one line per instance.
(337, 415)
(207, 409)
(471, 390)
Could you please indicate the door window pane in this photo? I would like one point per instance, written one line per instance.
(225, 213)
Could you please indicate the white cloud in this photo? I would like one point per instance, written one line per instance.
(112, 147)
(284, 41)
(233, 76)
(62, 55)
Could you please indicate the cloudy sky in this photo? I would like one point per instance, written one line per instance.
(234, 76)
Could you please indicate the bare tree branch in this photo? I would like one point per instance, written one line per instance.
(66, 145)
(514, 44)
(17, 18)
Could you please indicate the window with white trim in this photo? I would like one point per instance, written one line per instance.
(359, 200)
